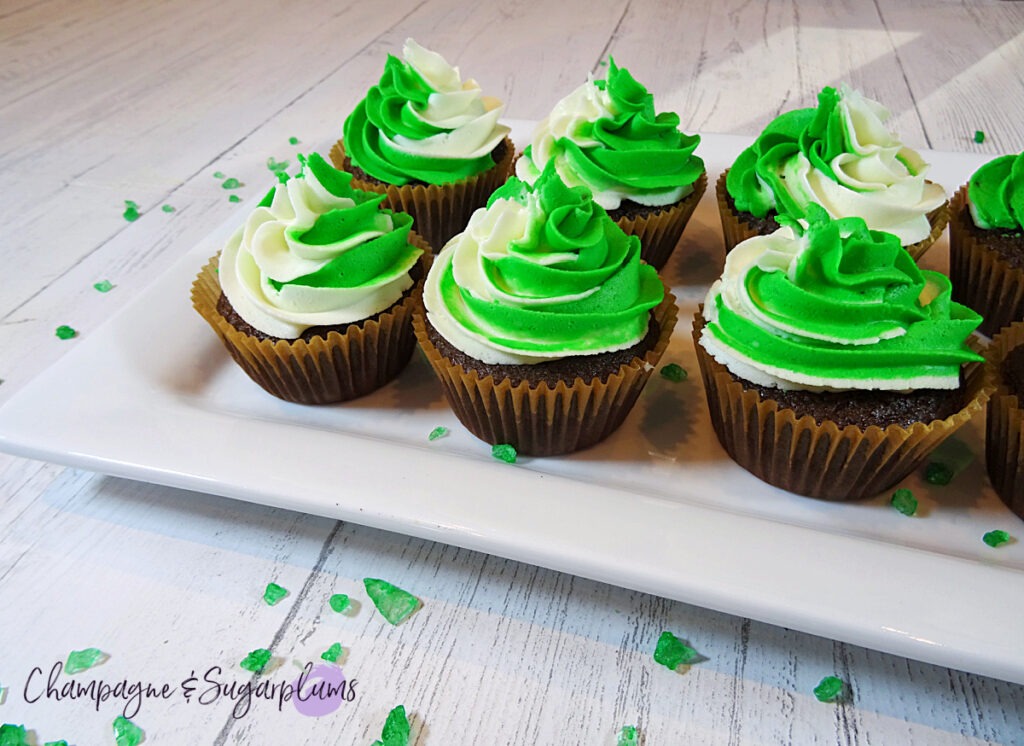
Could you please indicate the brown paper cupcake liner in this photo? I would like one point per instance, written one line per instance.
(439, 211)
(323, 370)
(541, 420)
(981, 278)
(1004, 430)
(822, 460)
(660, 232)
(735, 229)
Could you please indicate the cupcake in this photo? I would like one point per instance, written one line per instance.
(986, 242)
(1004, 438)
(606, 136)
(832, 363)
(428, 141)
(313, 296)
(843, 156)
(541, 321)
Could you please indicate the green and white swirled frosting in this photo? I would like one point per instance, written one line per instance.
(996, 194)
(316, 252)
(542, 273)
(421, 122)
(835, 307)
(844, 156)
(606, 136)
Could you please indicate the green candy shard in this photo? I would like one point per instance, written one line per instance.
(438, 432)
(904, 501)
(231, 183)
(218, 174)
(56, 743)
(672, 652)
(829, 689)
(396, 729)
(234, 198)
(13, 735)
(395, 604)
(627, 736)
(673, 372)
(979, 136)
(938, 473)
(257, 660)
(80, 660)
(65, 332)
(293, 141)
(127, 733)
(275, 165)
(167, 208)
(996, 538)
(274, 593)
(504, 452)
(131, 211)
(333, 653)
(340, 602)
(104, 286)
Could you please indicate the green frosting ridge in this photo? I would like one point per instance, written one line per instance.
(996, 194)
(389, 110)
(848, 284)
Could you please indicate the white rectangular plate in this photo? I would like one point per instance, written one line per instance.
(659, 507)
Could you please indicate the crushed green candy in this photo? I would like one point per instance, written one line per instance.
(274, 593)
(104, 286)
(829, 689)
(127, 733)
(131, 211)
(231, 183)
(627, 736)
(333, 653)
(938, 473)
(438, 432)
(979, 136)
(80, 660)
(293, 141)
(234, 198)
(62, 742)
(504, 452)
(65, 332)
(167, 208)
(395, 604)
(672, 652)
(904, 501)
(340, 602)
(276, 165)
(673, 372)
(996, 538)
(396, 729)
(13, 735)
(257, 660)
(218, 174)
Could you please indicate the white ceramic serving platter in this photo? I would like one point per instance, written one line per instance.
(659, 507)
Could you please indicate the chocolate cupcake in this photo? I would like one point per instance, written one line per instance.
(843, 156)
(1004, 437)
(986, 242)
(541, 322)
(832, 364)
(313, 297)
(606, 136)
(428, 141)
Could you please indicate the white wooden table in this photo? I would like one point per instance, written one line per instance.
(101, 102)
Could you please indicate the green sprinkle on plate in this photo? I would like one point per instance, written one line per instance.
(65, 332)
(627, 736)
(829, 689)
(396, 729)
(231, 183)
(62, 742)
(438, 432)
(673, 372)
(218, 174)
(274, 593)
(332, 653)
(13, 735)
(672, 652)
(234, 198)
(257, 660)
(131, 211)
(167, 208)
(80, 660)
(504, 452)
(127, 733)
(996, 538)
(904, 501)
(275, 165)
(293, 140)
(104, 286)
(340, 602)
(979, 136)
(395, 604)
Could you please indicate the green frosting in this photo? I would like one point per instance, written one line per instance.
(389, 110)
(851, 305)
(638, 151)
(996, 194)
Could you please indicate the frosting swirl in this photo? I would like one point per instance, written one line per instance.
(996, 194)
(843, 156)
(542, 273)
(421, 122)
(835, 307)
(606, 136)
(316, 252)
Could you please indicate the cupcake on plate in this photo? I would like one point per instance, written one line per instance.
(844, 156)
(541, 321)
(606, 136)
(313, 296)
(986, 242)
(429, 141)
(1004, 437)
(832, 363)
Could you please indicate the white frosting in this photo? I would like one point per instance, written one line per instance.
(267, 247)
(470, 119)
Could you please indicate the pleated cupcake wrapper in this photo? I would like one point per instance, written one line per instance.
(322, 370)
(981, 278)
(820, 460)
(439, 211)
(659, 232)
(1004, 436)
(541, 420)
(735, 229)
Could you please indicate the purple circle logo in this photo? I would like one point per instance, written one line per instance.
(320, 690)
